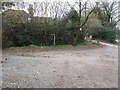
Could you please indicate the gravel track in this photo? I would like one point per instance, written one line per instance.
(89, 68)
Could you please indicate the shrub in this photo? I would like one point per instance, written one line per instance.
(106, 33)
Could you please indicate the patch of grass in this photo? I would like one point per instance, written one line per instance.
(109, 42)
(88, 43)
(31, 47)
(81, 45)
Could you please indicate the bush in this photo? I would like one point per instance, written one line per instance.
(106, 33)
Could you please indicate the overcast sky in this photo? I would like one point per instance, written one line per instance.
(69, 0)
(54, 0)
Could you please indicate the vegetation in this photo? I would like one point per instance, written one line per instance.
(69, 27)
(86, 44)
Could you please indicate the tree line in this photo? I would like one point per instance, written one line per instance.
(70, 23)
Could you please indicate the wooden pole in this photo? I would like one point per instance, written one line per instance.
(54, 38)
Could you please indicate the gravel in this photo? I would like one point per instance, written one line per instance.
(89, 68)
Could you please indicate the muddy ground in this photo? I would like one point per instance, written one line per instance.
(72, 68)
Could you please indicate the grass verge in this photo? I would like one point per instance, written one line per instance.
(34, 47)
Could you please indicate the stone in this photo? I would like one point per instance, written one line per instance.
(1, 61)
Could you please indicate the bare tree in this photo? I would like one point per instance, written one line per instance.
(108, 12)
(86, 12)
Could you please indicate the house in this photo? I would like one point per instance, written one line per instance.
(20, 16)
(15, 16)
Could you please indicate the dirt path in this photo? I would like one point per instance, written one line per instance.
(96, 68)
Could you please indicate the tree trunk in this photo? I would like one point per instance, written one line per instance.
(77, 35)
(78, 30)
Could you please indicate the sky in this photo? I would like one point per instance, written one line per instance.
(72, 2)
(69, 0)
(53, 0)
(56, 0)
